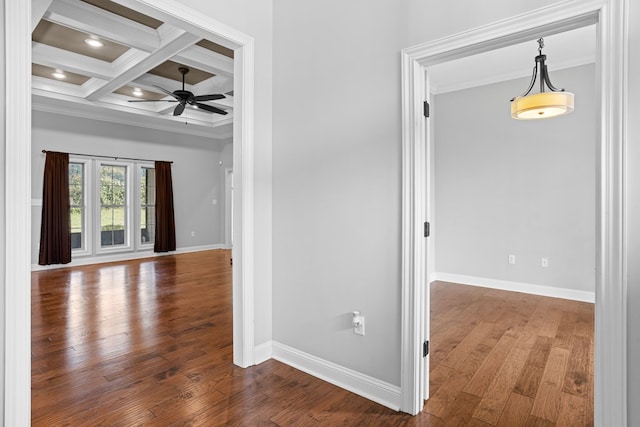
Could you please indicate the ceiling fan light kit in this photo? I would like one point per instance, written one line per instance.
(545, 104)
(185, 97)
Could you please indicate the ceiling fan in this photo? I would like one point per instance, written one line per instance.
(185, 97)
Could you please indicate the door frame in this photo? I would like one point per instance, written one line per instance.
(228, 209)
(17, 227)
(610, 380)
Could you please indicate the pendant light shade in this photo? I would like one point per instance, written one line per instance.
(544, 104)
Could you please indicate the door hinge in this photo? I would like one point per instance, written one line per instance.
(426, 108)
(427, 229)
(425, 349)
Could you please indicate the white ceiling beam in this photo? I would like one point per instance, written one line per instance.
(56, 86)
(204, 59)
(38, 9)
(93, 20)
(217, 84)
(128, 116)
(68, 61)
(183, 17)
(149, 80)
(134, 65)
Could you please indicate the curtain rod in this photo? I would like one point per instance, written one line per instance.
(109, 157)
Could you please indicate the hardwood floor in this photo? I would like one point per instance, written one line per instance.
(510, 359)
(148, 342)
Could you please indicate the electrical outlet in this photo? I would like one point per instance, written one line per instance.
(544, 262)
(512, 259)
(359, 328)
(193, 234)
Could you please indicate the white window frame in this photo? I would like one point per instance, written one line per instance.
(128, 218)
(139, 245)
(87, 230)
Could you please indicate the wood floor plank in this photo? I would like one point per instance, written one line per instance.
(495, 399)
(449, 393)
(547, 402)
(461, 410)
(477, 336)
(516, 411)
(529, 379)
(573, 410)
(577, 379)
(483, 377)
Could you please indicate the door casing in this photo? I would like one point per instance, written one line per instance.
(417, 141)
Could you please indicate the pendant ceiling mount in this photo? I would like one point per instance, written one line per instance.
(544, 104)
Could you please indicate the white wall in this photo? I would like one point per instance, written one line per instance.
(336, 197)
(198, 178)
(255, 18)
(507, 186)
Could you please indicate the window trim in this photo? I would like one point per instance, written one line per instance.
(138, 244)
(87, 234)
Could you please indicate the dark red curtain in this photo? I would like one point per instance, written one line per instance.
(55, 233)
(165, 222)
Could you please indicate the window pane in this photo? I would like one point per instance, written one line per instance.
(75, 195)
(76, 204)
(113, 200)
(118, 218)
(147, 205)
(76, 228)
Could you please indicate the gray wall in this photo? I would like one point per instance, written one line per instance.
(198, 178)
(336, 179)
(507, 186)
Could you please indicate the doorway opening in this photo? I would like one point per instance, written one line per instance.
(18, 19)
(610, 334)
(501, 187)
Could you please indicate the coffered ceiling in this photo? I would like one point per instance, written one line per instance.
(136, 56)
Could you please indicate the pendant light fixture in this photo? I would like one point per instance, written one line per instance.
(544, 104)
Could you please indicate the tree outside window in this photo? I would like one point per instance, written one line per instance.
(113, 205)
(147, 205)
(76, 204)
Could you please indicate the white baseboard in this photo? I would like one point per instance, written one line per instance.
(123, 256)
(527, 288)
(363, 385)
(262, 352)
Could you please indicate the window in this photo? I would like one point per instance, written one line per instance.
(77, 204)
(147, 205)
(114, 209)
(112, 206)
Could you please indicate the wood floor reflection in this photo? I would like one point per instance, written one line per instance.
(149, 342)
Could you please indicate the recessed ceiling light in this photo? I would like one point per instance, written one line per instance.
(137, 92)
(94, 42)
(59, 74)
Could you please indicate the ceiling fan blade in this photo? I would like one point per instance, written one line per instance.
(210, 108)
(167, 92)
(179, 109)
(211, 97)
